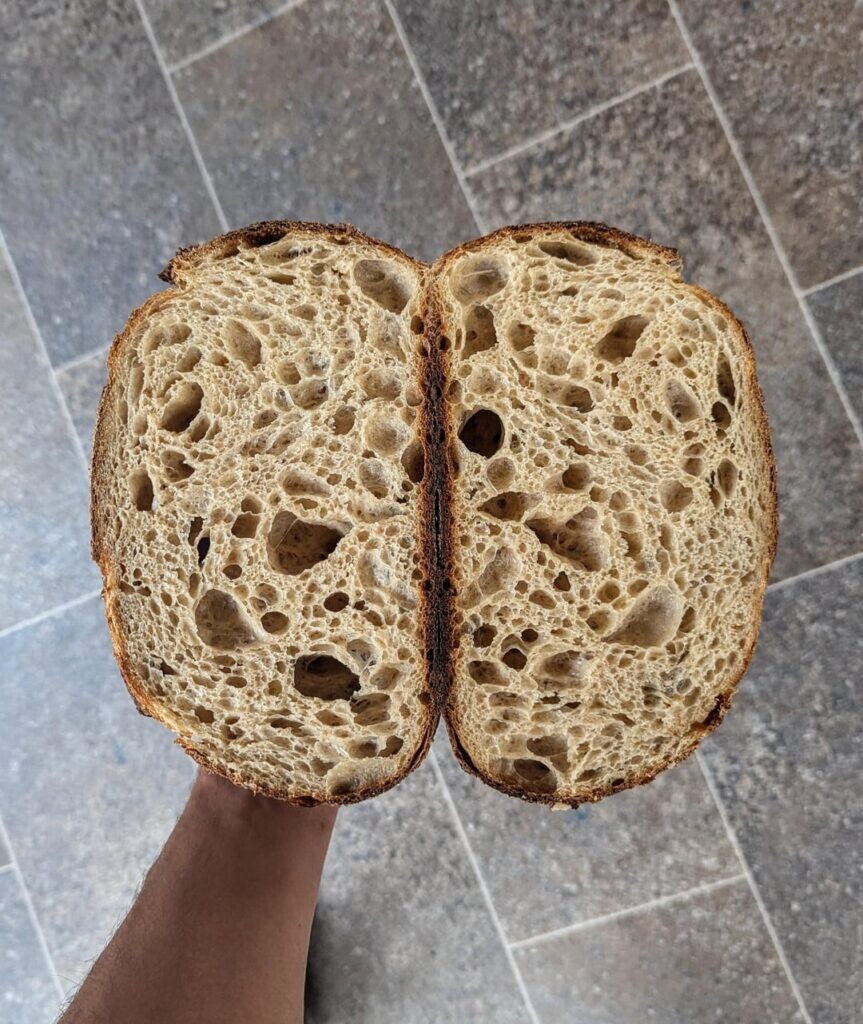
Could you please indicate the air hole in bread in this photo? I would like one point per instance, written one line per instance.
(483, 635)
(293, 546)
(245, 525)
(242, 344)
(501, 573)
(721, 416)
(336, 602)
(619, 343)
(221, 623)
(476, 278)
(384, 283)
(514, 659)
(370, 709)
(577, 539)
(725, 380)
(574, 396)
(682, 403)
(486, 673)
(310, 394)
(297, 482)
(652, 621)
(204, 715)
(561, 582)
(413, 462)
(576, 476)
(324, 677)
(536, 776)
(521, 336)
(183, 407)
(726, 478)
(674, 495)
(306, 311)
(142, 491)
(564, 670)
(274, 622)
(380, 383)
(568, 252)
(480, 333)
(373, 476)
(233, 571)
(511, 505)
(482, 433)
(384, 434)
(500, 473)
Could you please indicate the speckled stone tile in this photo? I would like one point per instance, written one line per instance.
(788, 763)
(659, 165)
(184, 27)
(838, 311)
(548, 869)
(82, 385)
(98, 181)
(89, 790)
(317, 115)
(27, 993)
(787, 73)
(44, 531)
(402, 932)
(705, 958)
(504, 71)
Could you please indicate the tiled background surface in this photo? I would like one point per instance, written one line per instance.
(728, 890)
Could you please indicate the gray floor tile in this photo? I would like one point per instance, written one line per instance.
(183, 27)
(787, 763)
(27, 993)
(500, 72)
(344, 134)
(401, 931)
(99, 183)
(837, 310)
(44, 532)
(788, 78)
(88, 789)
(660, 165)
(548, 869)
(706, 958)
(82, 385)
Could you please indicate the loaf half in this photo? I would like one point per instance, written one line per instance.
(256, 510)
(613, 508)
(337, 493)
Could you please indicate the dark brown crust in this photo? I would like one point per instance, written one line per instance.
(601, 234)
(100, 515)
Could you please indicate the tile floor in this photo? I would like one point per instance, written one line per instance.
(728, 890)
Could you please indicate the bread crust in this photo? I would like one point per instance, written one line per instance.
(177, 274)
(601, 234)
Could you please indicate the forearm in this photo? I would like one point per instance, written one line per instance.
(219, 931)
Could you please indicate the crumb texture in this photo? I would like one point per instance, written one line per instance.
(256, 502)
(614, 510)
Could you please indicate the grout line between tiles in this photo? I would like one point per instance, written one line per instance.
(51, 613)
(181, 113)
(31, 913)
(846, 275)
(564, 126)
(817, 571)
(767, 220)
(768, 923)
(229, 37)
(486, 895)
(435, 116)
(42, 350)
(70, 364)
(6, 868)
(639, 908)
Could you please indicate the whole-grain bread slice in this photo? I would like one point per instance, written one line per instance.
(257, 510)
(611, 503)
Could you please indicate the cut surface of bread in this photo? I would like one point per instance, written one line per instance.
(256, 510)
(337, 493)
(613, 508)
